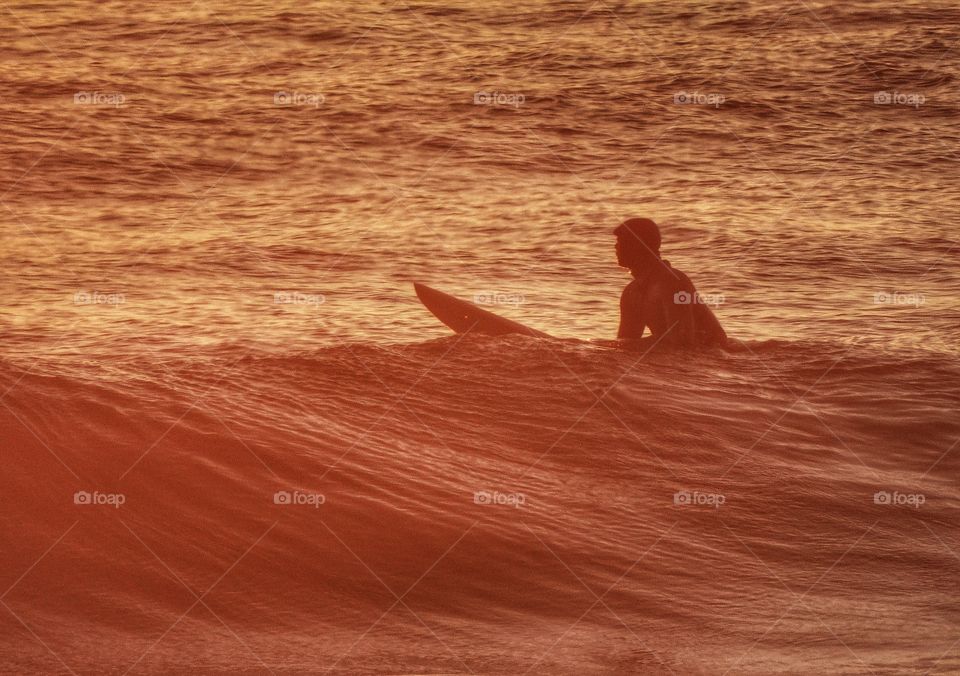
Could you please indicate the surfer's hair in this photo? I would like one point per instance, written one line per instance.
(641, 230)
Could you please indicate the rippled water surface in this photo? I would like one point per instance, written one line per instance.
(212, 218)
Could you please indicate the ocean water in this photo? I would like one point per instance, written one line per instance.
(235, 442)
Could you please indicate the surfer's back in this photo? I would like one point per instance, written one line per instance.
(666, 302)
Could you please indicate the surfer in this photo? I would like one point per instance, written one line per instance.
(660, 297)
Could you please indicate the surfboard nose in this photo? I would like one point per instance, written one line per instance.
(425, 292)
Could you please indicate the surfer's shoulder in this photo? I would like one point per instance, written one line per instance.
(629, 290)
(668, 279)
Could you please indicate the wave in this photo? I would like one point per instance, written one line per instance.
(478, 473)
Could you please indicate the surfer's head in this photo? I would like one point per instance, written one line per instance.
(638, 242)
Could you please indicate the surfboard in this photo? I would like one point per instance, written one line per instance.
(463, 316)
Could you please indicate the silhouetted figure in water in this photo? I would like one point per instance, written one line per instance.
(660, 297)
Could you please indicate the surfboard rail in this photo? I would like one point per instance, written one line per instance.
(465, 317)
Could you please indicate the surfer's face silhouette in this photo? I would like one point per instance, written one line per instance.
(632, 254)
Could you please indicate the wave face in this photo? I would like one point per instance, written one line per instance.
(496, 504)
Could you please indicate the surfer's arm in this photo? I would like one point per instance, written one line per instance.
(631, 317)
